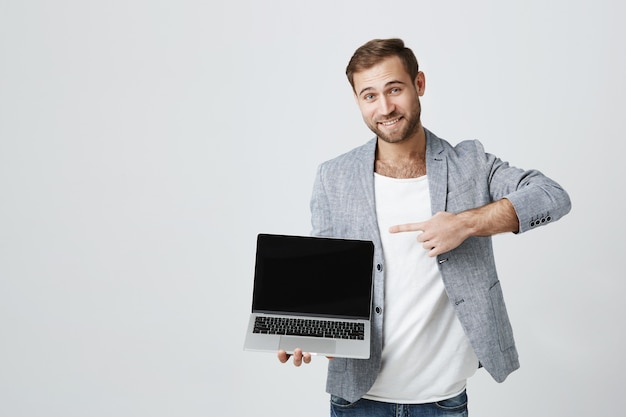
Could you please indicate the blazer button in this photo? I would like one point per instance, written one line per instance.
(378, 310)
(379, 267)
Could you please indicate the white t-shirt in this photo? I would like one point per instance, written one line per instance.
(426, 355)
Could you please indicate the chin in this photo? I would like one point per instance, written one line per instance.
(391, 139)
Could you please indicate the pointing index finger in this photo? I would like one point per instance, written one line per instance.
(407, 227)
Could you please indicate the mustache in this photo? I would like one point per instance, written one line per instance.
(389, 117)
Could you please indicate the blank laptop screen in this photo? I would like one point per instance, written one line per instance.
(313, 276)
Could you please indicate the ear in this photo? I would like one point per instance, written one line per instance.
(420, 83)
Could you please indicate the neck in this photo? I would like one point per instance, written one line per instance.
(405, 159)
(410, 148)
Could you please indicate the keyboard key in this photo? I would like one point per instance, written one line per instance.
(307, 327)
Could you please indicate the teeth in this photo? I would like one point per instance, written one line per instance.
(390, 122)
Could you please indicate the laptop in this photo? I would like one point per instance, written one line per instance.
(311, 293)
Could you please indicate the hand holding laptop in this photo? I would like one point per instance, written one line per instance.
(298, 357)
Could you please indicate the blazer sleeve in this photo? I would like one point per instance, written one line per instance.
(537, 199)
(320, 208)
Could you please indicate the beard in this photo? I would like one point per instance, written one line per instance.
(411, 127)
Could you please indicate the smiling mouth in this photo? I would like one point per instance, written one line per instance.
(388, 123)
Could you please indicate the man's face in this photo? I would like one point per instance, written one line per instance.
(389, 100)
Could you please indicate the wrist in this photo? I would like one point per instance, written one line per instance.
(468, 223)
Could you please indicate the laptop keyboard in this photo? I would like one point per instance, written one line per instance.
(307, 327)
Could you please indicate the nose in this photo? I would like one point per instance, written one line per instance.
(385, 106)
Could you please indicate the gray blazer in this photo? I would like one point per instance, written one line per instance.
(460, 177)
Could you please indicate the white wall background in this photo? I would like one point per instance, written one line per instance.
(144, 144)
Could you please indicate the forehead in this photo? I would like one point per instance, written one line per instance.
(376, 77)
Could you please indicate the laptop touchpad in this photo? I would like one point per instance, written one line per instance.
(309, 345)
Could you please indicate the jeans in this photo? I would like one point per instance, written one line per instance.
(452, 407)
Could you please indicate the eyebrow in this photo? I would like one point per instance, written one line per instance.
(386, 85)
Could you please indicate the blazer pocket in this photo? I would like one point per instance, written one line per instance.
(505, 331)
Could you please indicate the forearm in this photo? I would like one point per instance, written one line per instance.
(491, 219)
(446, 231)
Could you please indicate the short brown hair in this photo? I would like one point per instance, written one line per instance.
(376, 50)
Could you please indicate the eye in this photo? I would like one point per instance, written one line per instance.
(368, 97)
(394, 90)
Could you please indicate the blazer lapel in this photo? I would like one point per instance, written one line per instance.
(366, 185)
(437, 171)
